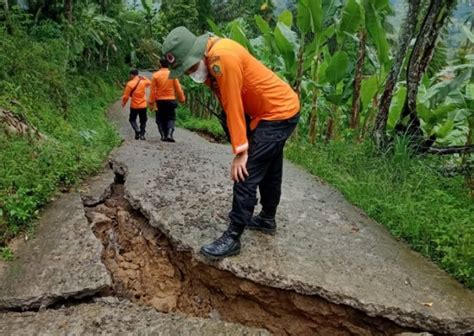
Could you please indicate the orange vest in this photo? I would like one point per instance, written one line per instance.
(246, 86)
(163, 88)
(139, 95)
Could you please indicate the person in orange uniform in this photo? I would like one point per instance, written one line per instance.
(163, 96)
(136, 89)
(261, 112)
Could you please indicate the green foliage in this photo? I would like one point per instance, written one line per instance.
(351, 17)
(376, 29)
(6, 254)
(237, 33)
(337, 68)
(316, 9)
(409, 195)
(446, 106)
(180, 13)
(303, 20)
(68, 108)
(227, 11)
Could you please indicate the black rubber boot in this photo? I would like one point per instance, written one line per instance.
(135, 128)
(263, 222)
(142, 129)
(169, 137)
(225, 246)
(162, 134)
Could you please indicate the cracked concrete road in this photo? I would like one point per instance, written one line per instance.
(61, 261)
(115, 318)
(324, 246)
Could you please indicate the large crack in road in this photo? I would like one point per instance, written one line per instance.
(146, 268)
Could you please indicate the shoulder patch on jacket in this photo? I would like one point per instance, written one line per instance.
(215, 69)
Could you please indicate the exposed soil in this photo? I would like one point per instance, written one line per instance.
(146, 268)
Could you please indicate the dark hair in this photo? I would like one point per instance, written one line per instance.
(134, 72)
(164, 63)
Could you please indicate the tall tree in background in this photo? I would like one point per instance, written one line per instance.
(405, 36)
(435, 17)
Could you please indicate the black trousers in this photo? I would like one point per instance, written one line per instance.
(265, 168)
(166, 115)
(141, 113)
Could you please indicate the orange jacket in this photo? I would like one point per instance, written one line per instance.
(163, 88)
(244, 85)
(139, 95)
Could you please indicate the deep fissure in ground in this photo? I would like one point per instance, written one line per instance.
(146, 268)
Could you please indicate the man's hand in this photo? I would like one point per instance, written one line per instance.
(238, 170)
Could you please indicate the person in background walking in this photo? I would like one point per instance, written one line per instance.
(136, 89)
(163, 95)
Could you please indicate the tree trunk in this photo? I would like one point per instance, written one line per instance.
(469, 176)
(369, 118)
(300, 66)
(8, 22)
(404, 39)
(68, 8)
(313, 120)
(421, 55)
(354, 122)
(299, 75)
(103, 6)
(331, 122)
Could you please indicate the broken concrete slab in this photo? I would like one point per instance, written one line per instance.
(324, 246)
(96, 189)
(115, 318)
(63, 260)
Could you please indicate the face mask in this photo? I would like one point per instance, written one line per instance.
(200, 75)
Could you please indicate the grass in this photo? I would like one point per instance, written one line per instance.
(69, 109)
(210, 127)
(409, 195)
(31, 170)
(6, 254)
(67, 106)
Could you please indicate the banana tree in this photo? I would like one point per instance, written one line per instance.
(351, 22)
(364, 18)
(332, 77)
(310, 20)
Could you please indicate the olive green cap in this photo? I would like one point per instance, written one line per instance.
(182, 49)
